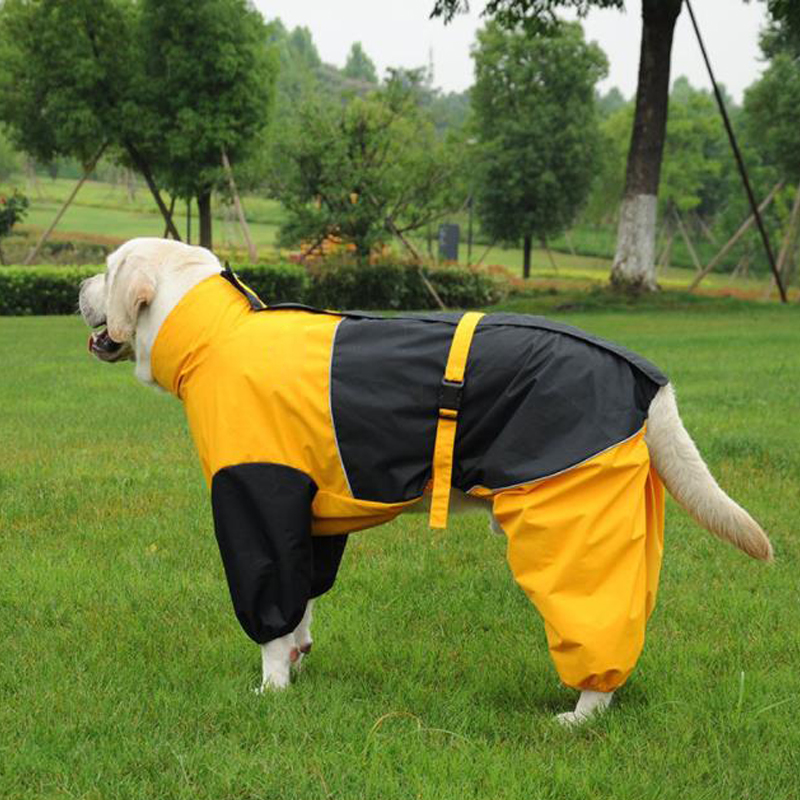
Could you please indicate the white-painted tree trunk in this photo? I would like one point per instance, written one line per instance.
(634, 261)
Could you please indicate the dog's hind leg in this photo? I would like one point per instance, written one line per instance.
(589, 704)
(494, 526)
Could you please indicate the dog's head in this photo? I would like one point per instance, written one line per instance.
(112, 301)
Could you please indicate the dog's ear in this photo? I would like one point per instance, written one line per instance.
(132, 287)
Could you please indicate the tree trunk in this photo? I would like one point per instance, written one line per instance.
(526, 256)
(144, 170)
(634, 262)
(204, 218)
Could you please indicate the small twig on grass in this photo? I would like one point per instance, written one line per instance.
(740, 700)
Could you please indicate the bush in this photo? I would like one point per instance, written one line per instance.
(276, 283)
(41, 290)
(54, 290)
(400, 287)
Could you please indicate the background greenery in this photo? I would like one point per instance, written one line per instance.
(124, 673)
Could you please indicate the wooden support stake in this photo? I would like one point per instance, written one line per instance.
(87, 170)
(666, 252)
(697, 265)
(791, 232)
(743, 228)
(171, 212)
(411, 249)
(549, 254)
(251, 249)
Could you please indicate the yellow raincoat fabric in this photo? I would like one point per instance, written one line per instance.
(584, 544)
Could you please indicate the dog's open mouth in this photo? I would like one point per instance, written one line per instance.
(105, 348)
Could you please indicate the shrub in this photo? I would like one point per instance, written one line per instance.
(276, 283)
(12, 209)
(400, 286)
(41, 290)
(54, 290)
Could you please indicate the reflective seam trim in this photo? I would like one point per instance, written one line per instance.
(330, 408)
(446, 427)
(577, 464)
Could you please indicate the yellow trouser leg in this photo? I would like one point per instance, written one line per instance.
(586, 548)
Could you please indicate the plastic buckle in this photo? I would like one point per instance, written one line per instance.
(450, 397)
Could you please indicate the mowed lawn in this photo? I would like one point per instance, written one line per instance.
(124, 674)
(111, 213)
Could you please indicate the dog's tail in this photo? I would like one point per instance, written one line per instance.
(689, 481)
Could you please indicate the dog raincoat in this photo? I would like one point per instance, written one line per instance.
(310, 425)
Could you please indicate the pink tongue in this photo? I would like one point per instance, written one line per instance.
(91, 341)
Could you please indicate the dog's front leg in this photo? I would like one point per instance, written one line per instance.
(589, 704)
(277, 657)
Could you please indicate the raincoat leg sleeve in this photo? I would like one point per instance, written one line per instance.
(586, 548)
(262, 520)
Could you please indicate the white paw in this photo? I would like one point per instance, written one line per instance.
(570, 719)
(275, 681)
(590, 703)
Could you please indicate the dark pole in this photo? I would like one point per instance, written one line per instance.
(739, 160)
(188, 220)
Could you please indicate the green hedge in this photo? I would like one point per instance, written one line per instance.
(54, 290)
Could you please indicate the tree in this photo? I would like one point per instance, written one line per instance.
(8, 158)
(633, 268)
(208, 85)
(166, 85)
(360, 66)
(537, 133)
(696, 153)
(772, 115)
(69, 81)
(361, 172)
(12, 209)
(772, 126)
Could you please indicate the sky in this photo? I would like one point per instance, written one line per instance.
(398, 33)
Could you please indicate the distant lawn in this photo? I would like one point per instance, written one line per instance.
(111, 211)
(125, 675)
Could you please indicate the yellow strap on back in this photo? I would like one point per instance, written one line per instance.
(449, 401)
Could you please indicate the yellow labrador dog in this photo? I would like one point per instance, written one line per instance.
(150, 286)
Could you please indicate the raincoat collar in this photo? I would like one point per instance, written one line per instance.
(193, 329)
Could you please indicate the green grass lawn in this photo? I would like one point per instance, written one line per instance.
(111, 212)
(124, 673)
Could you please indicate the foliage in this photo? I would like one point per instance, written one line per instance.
(400, 286)
(12, 210)
(359, 66)
(68, 75)
(537, 15)
(782, 33)
(696, 151)
(8, 158)
(610, 102)
(772, 115)
(167, 84)
(360, 172)
(54, 290)
(609, 179)
(208, 84)
(536, 128)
